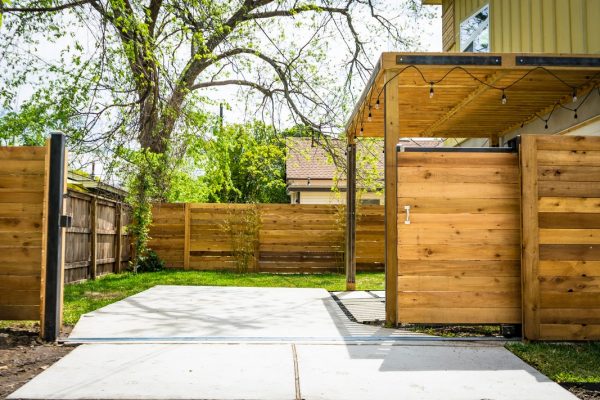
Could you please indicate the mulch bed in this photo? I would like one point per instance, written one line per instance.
(585, 391)
(23, 355)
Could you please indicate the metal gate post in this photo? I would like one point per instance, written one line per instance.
(54, 278)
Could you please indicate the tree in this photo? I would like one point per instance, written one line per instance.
(148, 60)
(241, 163)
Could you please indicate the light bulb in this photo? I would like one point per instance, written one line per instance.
(361, 130)
(377, 105)
(546, 126)
(575, 116)
(431, 91)
(504, 99)
(574, 96)
(370, 117)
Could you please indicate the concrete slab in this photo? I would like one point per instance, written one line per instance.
(420, 372)
(201, 313)
(260, 371)
(167, 371)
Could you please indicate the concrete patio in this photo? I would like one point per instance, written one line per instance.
(260, 343)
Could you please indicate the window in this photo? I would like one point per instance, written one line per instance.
(475, 32)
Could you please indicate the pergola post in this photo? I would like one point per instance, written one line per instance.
(391, 137)
(351, 216)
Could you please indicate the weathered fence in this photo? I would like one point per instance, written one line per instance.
(459, 257)
(97, 243)
(267, 237)
(561, 237)
(23, 192)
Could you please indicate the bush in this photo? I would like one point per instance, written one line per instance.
(150, 262)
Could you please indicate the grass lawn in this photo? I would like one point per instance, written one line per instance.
(562, 362)
(91, 295)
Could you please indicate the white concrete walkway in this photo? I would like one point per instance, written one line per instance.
(256, 343)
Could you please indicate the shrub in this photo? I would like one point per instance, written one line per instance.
(150, 262)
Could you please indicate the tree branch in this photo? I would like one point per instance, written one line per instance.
(44, 9)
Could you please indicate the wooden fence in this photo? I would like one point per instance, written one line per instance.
(561, 237)
(459, 258)
(23, 195)
(288, 238)
(98, 229)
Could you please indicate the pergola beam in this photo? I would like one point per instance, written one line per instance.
(350, 258)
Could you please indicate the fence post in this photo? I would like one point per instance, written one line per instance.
(93, 238)
(186, 243)
(119, 244)
(54, 239)
(351, 217)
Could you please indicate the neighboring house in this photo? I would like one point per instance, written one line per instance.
(87, 184)
(528, 26)
(311, 173)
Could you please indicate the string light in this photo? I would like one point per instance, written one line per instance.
(504, 100)
(546, 125)
(575, 116)
(431, 90)
(574, 95)
(361, 131)
(370, 117)
(377, 105)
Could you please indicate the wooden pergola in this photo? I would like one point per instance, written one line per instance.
(446, 95)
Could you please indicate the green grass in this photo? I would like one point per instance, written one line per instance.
(91, 295)
(562, 362)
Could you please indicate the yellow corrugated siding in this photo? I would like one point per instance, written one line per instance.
(540, 26)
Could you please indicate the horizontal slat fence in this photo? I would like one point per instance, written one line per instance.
(98, 227)
(23, 188)
(277, 238)
(561, 237)
(459, 258)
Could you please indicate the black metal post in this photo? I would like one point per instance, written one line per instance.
(351, 217)
(54, 278)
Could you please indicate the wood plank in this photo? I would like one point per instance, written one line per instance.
(495, 268)
(572, 173)
(569, 332)
(569, 236)
(570, 315)
(186, 240)
(458, 283)
(417, 159)
(25, 297)
(569, 268)
(19, 282)
(459, 190)
(561, 143)
(570, 283)
(93, 238)
(450, 236)
(446, 315)
(569, 204)
(569, 189)
(22, 167)
(551, 299)
(569, 157)
(570, 252)
(530, 252)
(19, 224)
(458, 221)
(453, 205)
(458, 252)
(484, 174)
(459, 299)
(569, 220)
(20, 312)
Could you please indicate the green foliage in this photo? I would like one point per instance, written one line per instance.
(241, 163)
(562, 362)
(150, 262)
(242, 225)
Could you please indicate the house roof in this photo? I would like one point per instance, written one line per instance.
(307, 159)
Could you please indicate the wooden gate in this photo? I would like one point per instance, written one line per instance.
(458, 236)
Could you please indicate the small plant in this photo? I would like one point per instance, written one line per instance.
(149, 262)
(243, 225)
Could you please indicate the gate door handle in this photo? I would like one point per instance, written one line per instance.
(407, 220)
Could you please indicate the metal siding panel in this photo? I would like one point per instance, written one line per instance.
(526, 28)
(549, 26)
(593, 26)
(578, 27)
(495, 26)
(537, 37)
(516, 27)
(506, 27)
(563, 26)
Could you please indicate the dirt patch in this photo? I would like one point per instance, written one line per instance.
(103, 295)
(585, 391)
(23, 355)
